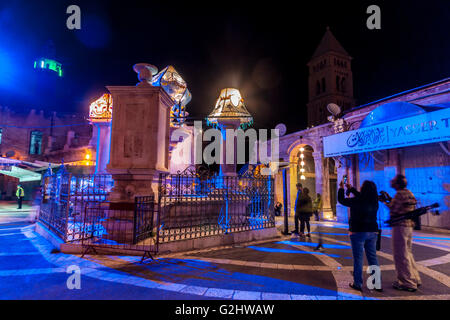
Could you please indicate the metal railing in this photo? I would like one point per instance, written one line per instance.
(190, 205)
(121, 230)
(65, 197)
(193, 206)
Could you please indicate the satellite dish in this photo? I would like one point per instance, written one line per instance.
(334, 109)
(282, 129)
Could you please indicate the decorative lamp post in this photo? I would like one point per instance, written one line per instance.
(229, 113)
(100, 115)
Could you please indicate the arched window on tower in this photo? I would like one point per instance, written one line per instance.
(324, 88)
(338, 83)
(343, 84)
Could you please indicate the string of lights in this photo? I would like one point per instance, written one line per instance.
(302, 164)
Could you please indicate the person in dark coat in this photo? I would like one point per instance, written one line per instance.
(363, 227)
(296, 216)
(305, 212)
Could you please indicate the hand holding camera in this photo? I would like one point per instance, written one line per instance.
(384, 197)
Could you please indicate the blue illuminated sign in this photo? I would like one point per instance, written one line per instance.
(425, 128)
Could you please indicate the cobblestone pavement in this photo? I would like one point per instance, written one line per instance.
(280, 269)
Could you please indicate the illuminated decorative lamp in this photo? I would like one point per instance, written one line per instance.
(230, 107)
(100, 115)
(101, 109)
(229, 113)
(175, 86)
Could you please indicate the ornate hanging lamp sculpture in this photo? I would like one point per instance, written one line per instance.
(101, 109)
(175, 86)
(230, 107)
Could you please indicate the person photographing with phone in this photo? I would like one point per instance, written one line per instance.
(363, 226)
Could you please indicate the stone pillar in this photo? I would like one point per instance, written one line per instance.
(290, 207)
(323, 183)
(139, 138)
(228, 169)
(103, 146)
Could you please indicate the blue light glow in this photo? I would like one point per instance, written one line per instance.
(276, 250)
(332, 234)
(312, 244)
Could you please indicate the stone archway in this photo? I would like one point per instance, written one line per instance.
(307, 178)
(319, 175)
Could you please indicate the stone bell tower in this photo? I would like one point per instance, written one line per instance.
(330, 79)
(139, 138)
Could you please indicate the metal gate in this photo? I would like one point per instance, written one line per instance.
(120, 230)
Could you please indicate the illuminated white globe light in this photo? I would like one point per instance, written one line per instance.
(302, 163)
(235, 98)
(302, 149)
(303, 177)
(302, 156)
(302, 170)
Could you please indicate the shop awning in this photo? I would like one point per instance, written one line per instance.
(409, 125)
(22, 174)
(23, 170)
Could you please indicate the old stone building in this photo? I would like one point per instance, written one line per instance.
(406, 133)
(330, 79)
(422, 155)
(37, 138)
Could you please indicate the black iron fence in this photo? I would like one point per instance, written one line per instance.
(189, 206)
(121, 230)
(194, 205)
(65, 197)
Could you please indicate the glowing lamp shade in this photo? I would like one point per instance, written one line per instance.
(101, 109)
(230, 106)
(302, 163)
(303, 177)
(176, 87)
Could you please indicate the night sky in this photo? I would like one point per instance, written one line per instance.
(259, 47)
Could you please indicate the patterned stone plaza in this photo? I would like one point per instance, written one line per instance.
(279, 269)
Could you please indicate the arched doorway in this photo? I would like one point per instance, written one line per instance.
(301, 170)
